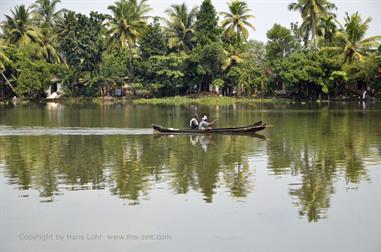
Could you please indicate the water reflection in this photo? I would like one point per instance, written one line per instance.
(129, 166)
(325, 148)
(203, 140)
(317, 149)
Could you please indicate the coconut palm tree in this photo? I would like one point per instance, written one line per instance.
(64, 23)
(312, 11)
(3, 56)
(180, 27)
(327, 28)
(234, 55)
(47, 15)
(18, 28)
(353, 44)
(48, 49)
(45, 11)
(141, 8)
(3, 60)
(235, 22)
(127, 22)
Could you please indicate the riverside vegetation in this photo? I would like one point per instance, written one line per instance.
(191, 50)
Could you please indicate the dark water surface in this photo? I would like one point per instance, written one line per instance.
(91, 177)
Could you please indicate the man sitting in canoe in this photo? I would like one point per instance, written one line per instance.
(204, 124)
(194, 122)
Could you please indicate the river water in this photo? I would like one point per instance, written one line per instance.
(95, 177)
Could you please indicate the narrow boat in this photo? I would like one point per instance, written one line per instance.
(242, 129)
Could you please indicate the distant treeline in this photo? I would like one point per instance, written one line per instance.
(191, 50)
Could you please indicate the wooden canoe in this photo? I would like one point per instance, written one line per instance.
(242, 129)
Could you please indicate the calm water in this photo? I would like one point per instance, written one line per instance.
(94, 177)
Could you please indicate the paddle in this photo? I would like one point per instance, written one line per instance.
(210, 124)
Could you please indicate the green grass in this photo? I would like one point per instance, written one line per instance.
(176, 100)
(183, 100)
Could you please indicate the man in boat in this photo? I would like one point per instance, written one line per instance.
(194, 122)
(204, 124)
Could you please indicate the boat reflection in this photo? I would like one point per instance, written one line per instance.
(202, 140)
(317, 152)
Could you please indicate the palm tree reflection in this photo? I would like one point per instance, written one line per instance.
(130, 167)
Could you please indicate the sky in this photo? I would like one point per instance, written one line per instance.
(266, 12)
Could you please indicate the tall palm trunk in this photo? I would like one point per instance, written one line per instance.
(238, 37)
(8, 83)
(314, 35)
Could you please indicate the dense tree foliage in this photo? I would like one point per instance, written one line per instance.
(207, 30)
(3, 57)
(82, 47)
(206, 63)
(302, 74)
(163, 74)
(153, 41)
(188, 51)
(30, 76)
(280, 43)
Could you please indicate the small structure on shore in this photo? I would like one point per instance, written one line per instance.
(55, 89)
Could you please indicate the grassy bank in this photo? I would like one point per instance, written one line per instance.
(176, 100)
(181, 100)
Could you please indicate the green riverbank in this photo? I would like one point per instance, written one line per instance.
(176, 100)
(181, 100)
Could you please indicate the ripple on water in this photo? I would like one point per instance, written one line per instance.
(68, 131)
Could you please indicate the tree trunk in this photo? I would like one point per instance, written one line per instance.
(239, 89)
(307, 90)
(9, 84)
(205, 83)
(200, 85)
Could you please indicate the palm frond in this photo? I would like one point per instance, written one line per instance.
(371, 39)
(236, 20)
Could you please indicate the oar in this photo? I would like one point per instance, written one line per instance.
(212, 122)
